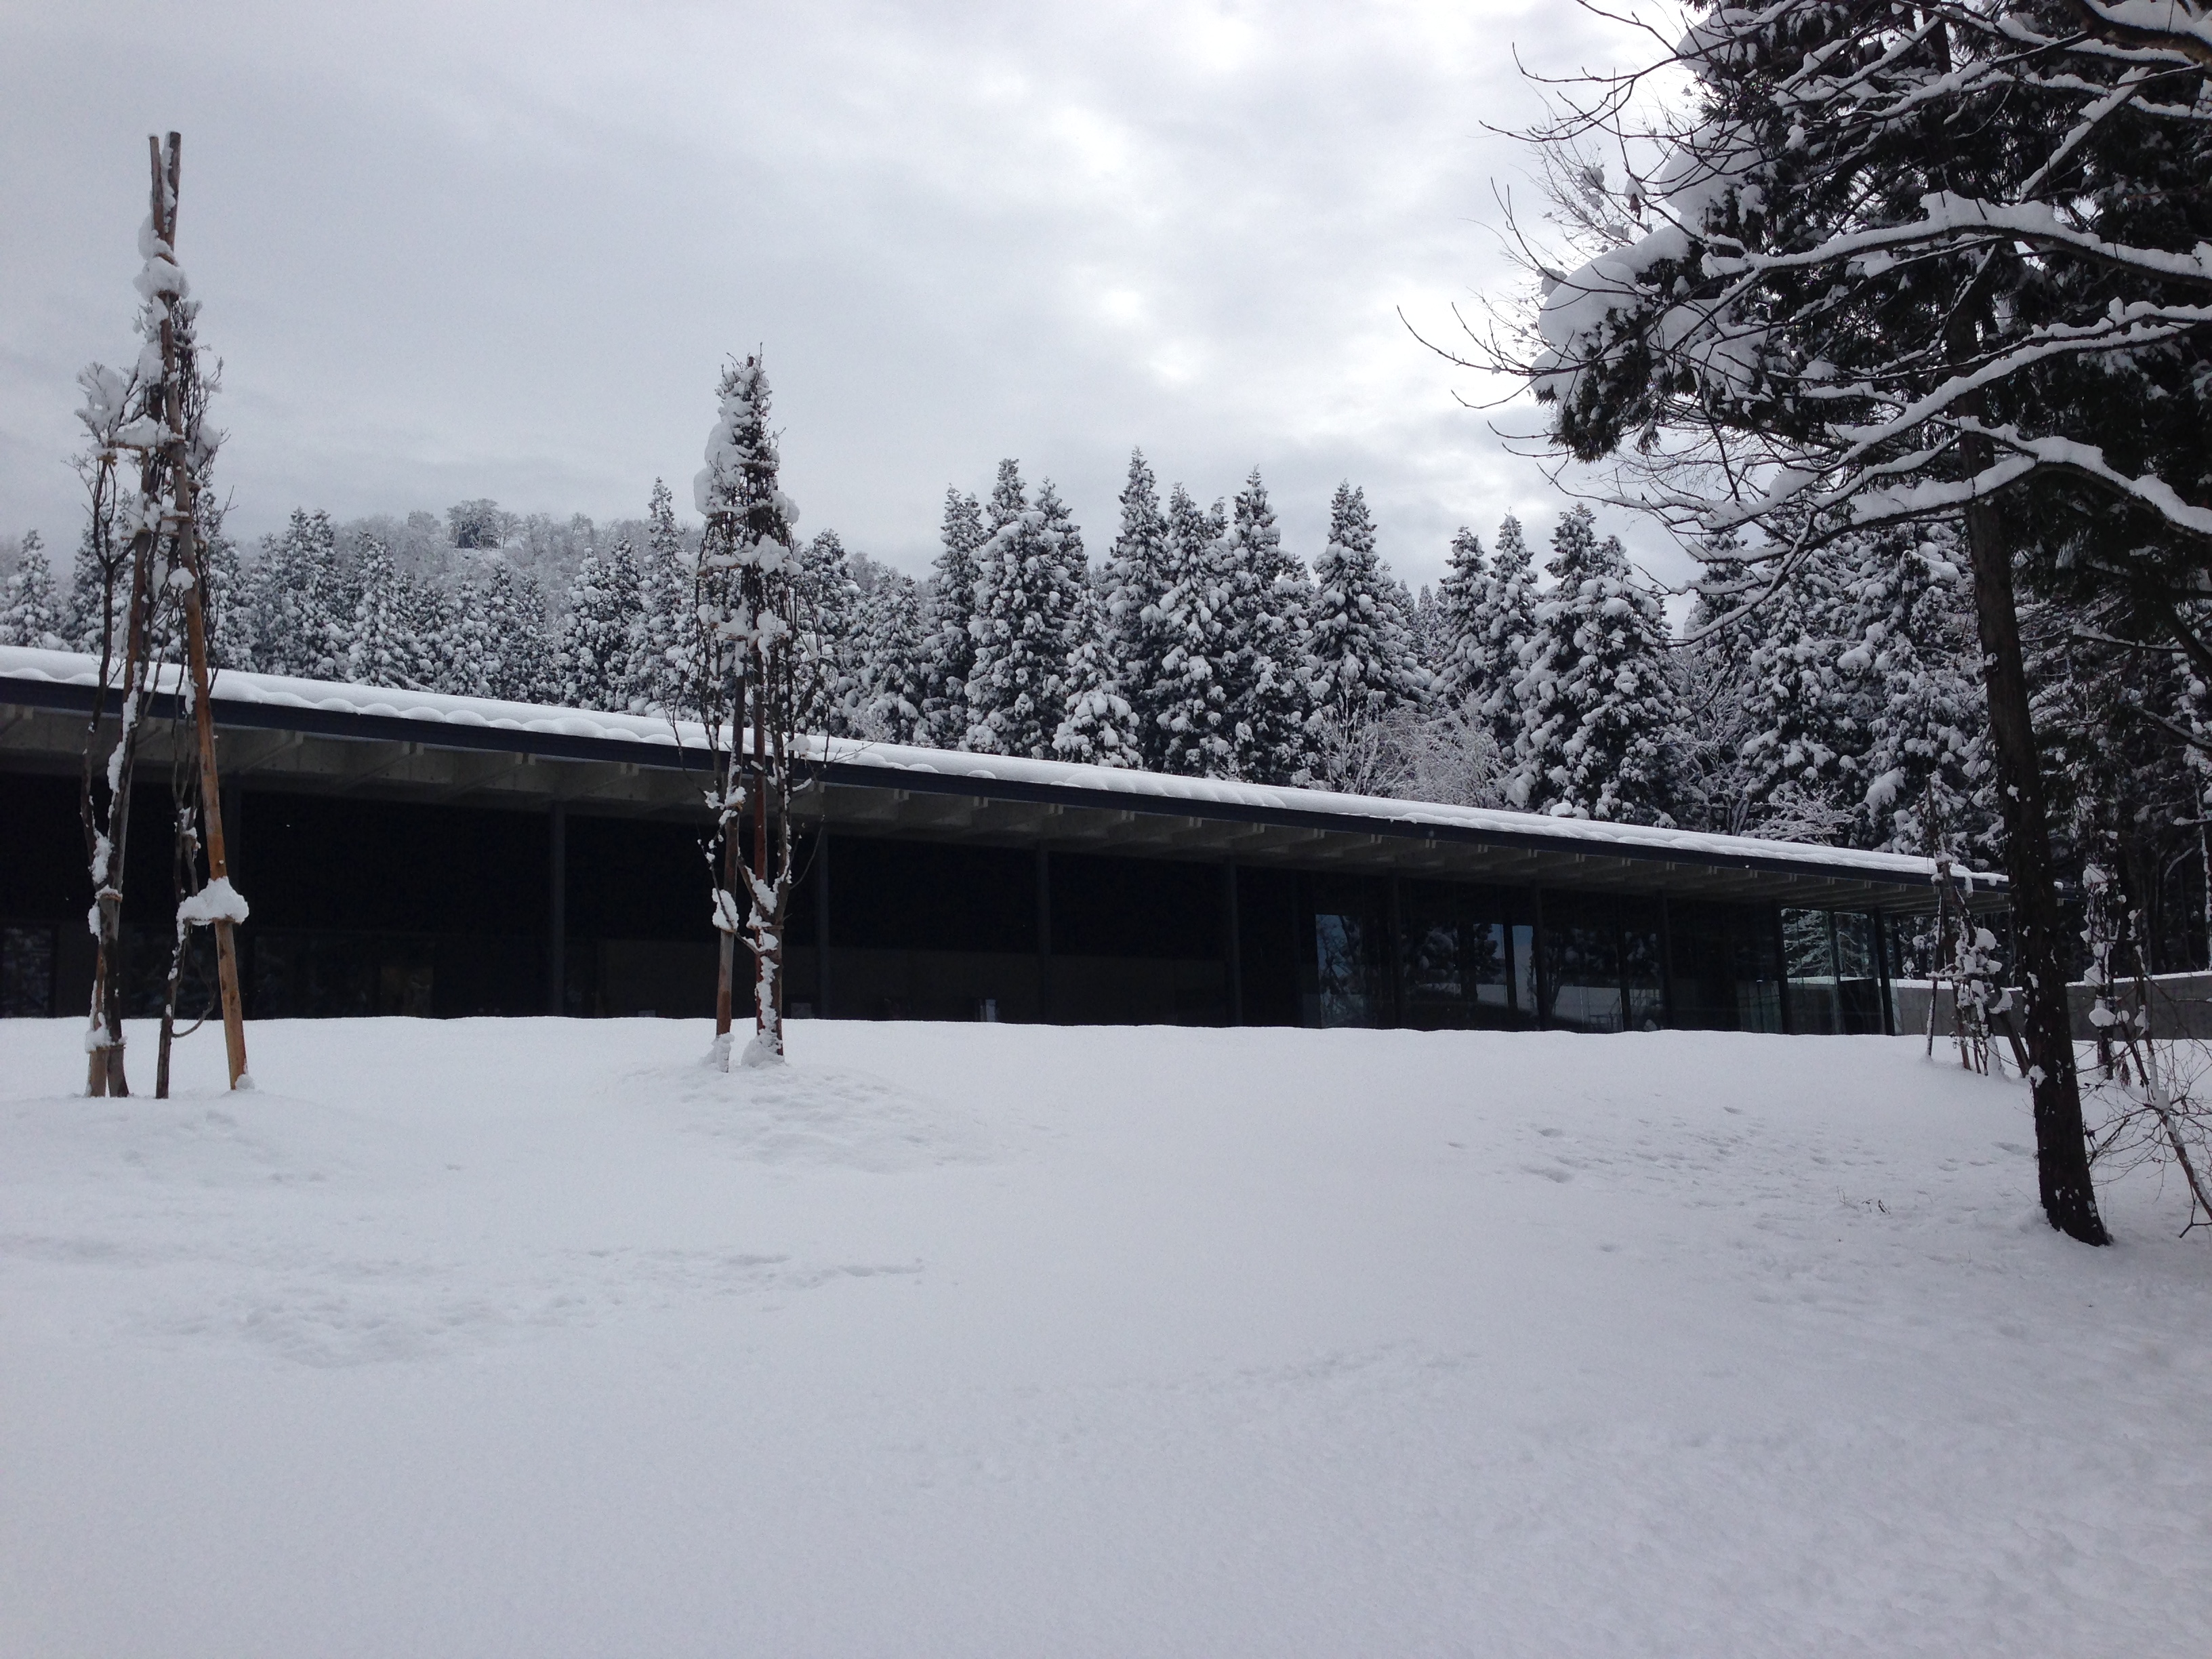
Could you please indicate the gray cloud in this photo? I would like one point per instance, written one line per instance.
(501, 249)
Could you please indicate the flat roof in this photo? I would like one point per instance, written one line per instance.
(328, 737)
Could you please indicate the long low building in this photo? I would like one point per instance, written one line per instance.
(406, 852)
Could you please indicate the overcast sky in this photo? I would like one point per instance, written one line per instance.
(458, 250)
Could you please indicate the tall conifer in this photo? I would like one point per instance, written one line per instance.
(1360, 662)
(949, 650)
(1130, 588)
(1600, 719)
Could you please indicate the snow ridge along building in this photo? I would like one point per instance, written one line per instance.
(407, 853)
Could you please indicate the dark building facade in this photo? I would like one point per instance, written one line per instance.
(440, 857)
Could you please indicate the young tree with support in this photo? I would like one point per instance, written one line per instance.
(755, 686)
(153, 534)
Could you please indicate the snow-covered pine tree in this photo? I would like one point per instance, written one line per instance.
(949, 651)
(1461, 659)
(1065, 537)
(518, 652)
(1712, 792)
(596, 659)
(1904, 263)
(1601, 718)
(1505, 624)
(1130, 585)
(1912, 647)
(659, 651)
(1188, 704)
(1025, 602)
(381, 646)
(302, 611)
(834, 599)
(96, 600)
(30, 612)
(470, 654)
(1260, 611)
(893, 628)
(1428, 630)
(231, 610)
(1360, 661)
(448, 655)
(1802, 737)
(1098, 727)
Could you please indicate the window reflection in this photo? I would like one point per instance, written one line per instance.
(1581, 982)
(1466, 956)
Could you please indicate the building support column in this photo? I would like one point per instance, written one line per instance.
(1781, 968)
(1397, 952)
(556, 924)
(1044, 934)
(1233, 944)
(821, 924)
(1883, 987)
(230, 801)
(1537, 970)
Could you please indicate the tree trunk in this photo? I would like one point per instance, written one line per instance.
(2062, 1150)
(726, 960)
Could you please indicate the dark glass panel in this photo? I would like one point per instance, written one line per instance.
(1809, 948)
(1581, 962)
(1858, 981)
(1348, 975)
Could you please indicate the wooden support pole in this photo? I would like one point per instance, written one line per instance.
(761, 804)
(187, 532)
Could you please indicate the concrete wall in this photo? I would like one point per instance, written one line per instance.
(2180, 1007)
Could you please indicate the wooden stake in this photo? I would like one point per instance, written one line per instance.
(760, 828)
(181, 477)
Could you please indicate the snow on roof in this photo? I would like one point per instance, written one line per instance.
(1191, 795)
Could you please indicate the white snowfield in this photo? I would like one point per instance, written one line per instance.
(535, 1337)
(276, 690)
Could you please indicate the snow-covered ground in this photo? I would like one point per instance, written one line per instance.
(536, 1337)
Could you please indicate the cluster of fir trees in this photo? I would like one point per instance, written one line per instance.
(322, 604)
(1199, 646)
(1842, 706)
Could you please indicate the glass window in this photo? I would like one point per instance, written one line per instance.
(1725, 973)
(1582, 963)
(1460, 943)
(26, 972)
(1350, 978)
(1808, 947)
(1858, 979)
(1642, 977)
